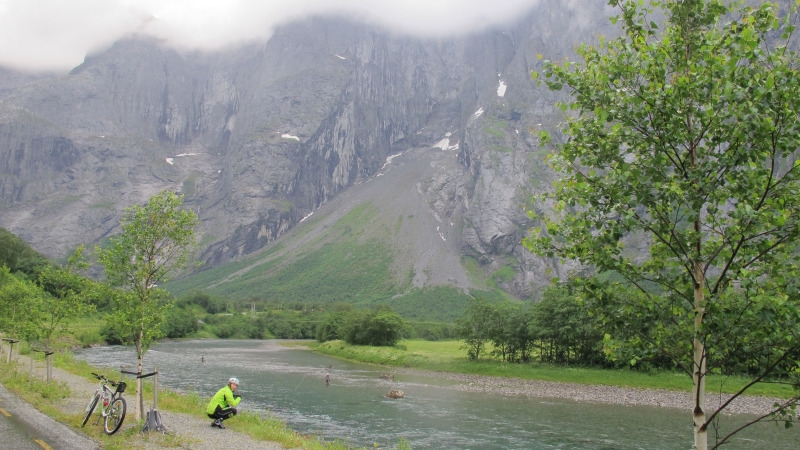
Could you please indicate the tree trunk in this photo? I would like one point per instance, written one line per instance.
(699, 376)
(138, 408)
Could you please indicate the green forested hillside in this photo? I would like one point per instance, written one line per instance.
(17, 255)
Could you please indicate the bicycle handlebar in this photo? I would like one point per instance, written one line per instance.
(103, 378)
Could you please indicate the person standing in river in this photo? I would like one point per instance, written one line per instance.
(223, 404)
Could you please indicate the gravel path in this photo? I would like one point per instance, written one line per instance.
(597, 394)
(187, 432)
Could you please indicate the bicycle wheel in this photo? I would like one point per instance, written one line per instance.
(90, 408)
(116, 414)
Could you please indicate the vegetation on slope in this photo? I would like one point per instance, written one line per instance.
(350, 263)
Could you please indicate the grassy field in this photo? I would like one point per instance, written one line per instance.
(448, 356)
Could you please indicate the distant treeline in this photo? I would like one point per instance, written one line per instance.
(555, 330)
(202, 313)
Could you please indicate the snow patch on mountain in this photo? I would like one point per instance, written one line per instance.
(501, 89)
(444, 144)
(389, 160)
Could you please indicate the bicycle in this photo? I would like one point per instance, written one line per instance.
(113, 407)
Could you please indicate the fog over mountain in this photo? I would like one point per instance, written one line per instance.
(53, 34)
(260, 135)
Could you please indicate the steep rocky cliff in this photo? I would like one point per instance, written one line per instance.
(259, 137)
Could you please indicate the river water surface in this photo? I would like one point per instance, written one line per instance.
(290, 383)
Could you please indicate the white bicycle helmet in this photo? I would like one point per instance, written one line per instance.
(233, 380)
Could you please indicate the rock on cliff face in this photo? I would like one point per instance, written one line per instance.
(259, 137)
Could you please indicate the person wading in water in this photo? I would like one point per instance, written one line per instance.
(223, 404)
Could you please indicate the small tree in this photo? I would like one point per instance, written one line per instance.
(156, 241)
(687, 140)
(67, 295)
(379, 327)
(564, 329)
(501, 331)
(475, 327)
(331, 327)
(20, 303)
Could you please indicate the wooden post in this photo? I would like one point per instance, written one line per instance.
(11, 343)
(48, 359)
(140, 394)
(155, 388)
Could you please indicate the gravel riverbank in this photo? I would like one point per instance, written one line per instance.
(597, 394)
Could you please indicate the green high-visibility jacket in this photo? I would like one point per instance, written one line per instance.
(224, 399)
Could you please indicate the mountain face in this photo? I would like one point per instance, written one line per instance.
(259, 137)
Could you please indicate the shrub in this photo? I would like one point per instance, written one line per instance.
(179, 323)
(379, 327)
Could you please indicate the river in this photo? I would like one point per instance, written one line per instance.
(290, 383)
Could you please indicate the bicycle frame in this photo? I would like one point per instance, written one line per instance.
(112, 407)
(108, 396)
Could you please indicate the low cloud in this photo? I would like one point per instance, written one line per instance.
(57, 34)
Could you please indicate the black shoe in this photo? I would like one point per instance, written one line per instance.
(221, 425)
(217, 423)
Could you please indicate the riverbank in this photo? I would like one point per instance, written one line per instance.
(595, 393)
(65, 398)
(669, 390)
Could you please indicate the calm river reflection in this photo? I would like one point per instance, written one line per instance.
(291, 384)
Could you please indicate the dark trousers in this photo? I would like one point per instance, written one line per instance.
(223, 414)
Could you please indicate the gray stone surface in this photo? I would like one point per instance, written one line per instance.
(26, 426)
(258, 137)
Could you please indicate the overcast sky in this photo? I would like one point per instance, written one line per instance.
(57, 34)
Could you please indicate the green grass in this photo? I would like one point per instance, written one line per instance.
(496, 128)
(103, 205)
(438, 303)
(188, 188)
(205, 278)
(473, 268)
(500, 275)
(86, 330)
(449, 356)
(342, 271)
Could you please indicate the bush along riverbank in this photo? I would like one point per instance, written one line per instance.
(447, 358)
(65, 397)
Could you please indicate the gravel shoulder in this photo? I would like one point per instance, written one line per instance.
(184, 431)
(598, 394)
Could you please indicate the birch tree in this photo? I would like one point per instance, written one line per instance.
(156, 241)
(685, 140)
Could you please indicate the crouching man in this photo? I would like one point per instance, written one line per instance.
(223, 404)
